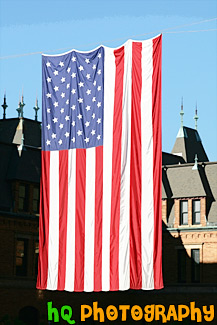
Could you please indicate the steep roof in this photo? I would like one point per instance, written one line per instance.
(170, 159)
(188, 143)
(183, 182)
(31, 129)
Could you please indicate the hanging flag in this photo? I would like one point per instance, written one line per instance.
(100, 210)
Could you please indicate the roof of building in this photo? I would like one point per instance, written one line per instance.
(31, 130)
(171, 159)
(193, 176)
(188, 144)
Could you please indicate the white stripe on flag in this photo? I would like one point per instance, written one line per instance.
(89, 220)
(124, 231)
(70, 245)
(147, 215)
(53, 244)
(109, 84)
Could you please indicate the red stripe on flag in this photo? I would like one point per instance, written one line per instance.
(80, 219)
(116, 170)
(136, 170)
(98, 220)
(157, 158)
(63, 208)
(44, 221)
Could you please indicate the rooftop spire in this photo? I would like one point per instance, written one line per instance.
(22, 98)
(196, 117)
(181, 113)
(195, 167)
(4, 105)
(36, 108)
(20, 106)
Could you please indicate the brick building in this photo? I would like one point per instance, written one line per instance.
(189, 213)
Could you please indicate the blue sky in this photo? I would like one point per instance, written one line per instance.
(189, 65)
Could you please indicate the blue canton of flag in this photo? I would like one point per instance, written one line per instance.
(73, 100)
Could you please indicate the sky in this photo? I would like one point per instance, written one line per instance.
(189, 59)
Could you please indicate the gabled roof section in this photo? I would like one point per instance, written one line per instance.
(183, 182)
(31, 130)
(170, 159)
(188, 144)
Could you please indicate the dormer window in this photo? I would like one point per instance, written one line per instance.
(26, 197)
(23, 199)
(183, 212)
(195, 212)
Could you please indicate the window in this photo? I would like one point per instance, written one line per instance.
(183, 212)
(21, 257)
(27, 197)
(195, 265)
(23, 199)
(35, 203)
(181, 265)
(196, 212)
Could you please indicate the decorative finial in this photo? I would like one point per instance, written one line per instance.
(4, 105)
(19, 108)
(195, 167)
(182, 113)
(36, 108)
(196, 117)
(22, 105)
(22, 97)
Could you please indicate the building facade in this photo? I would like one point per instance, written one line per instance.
(189, 213)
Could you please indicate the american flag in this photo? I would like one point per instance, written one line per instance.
(100, 210)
